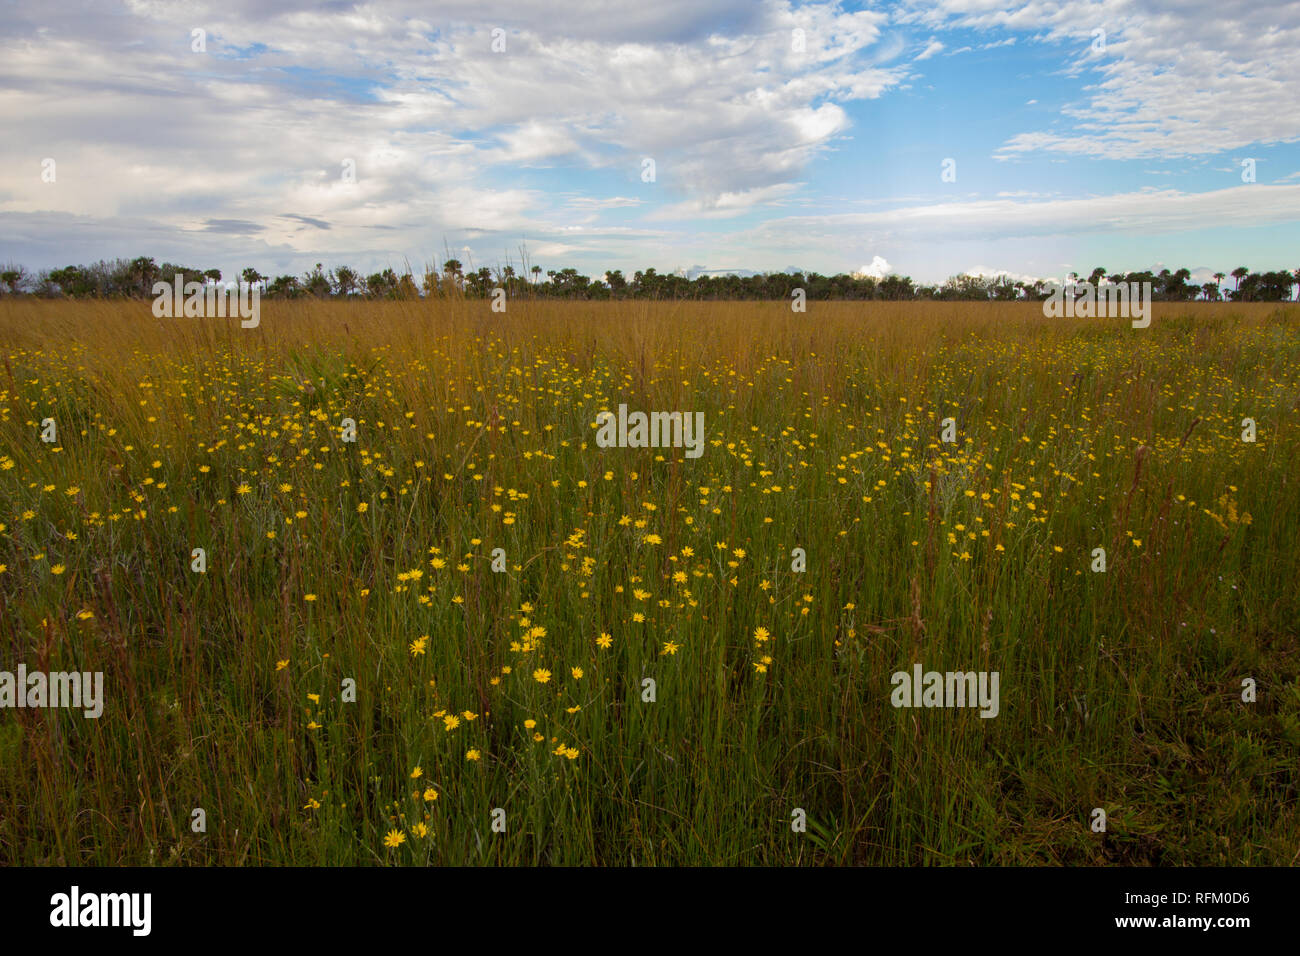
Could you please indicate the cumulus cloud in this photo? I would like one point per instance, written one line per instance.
(985, 272)
(374, 115)
(878, 269)
(383, 129)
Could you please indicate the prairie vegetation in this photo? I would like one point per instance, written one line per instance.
(369, 564)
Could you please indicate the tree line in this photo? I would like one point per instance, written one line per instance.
(135, 278)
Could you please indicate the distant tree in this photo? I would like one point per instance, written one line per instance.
(646, 284)
(284, 287)
(505, 279)
(404, 287)
(568, 284)
(45, 287)
(1272, 286)
(895, 287)
(617, 283)
(135, 277)
(168, 271)
(382, 284)
(139, 276)
(251, 276)
(1004, 289)
(453, 270)
(346, 280)
(12, 279)
(316, 283)
(1141, 278)
(1173, 285)
(72, 281)
(432, 283)
(480, 281)
(964, 288)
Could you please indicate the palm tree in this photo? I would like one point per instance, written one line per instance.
(144, 271)
(252, 276)
(405, 287)
(452, 270)
(316, 282)
(1239, 273)
(346, 279)
(1219, 277)
(432, 283)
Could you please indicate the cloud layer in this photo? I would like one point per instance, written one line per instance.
(278, 133)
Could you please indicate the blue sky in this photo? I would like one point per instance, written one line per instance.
(809, 135)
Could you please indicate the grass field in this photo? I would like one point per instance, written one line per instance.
(332, 562)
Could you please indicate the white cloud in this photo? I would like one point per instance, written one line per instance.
(1190, 78)
(724, 206)
(984, 272)
(613, 202)
(931, 49)
(435, 122)
(237, 154)
(878, 268)
(1148, 211)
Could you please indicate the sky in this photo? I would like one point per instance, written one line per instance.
(922, 138)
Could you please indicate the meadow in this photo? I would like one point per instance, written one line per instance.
(347, 680)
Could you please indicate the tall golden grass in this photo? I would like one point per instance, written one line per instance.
(330, 561)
